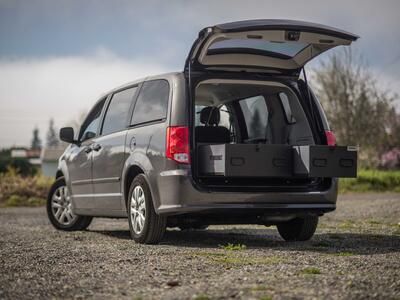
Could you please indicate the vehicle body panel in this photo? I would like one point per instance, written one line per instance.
(174, 188)
(107, 166)
(80, 173)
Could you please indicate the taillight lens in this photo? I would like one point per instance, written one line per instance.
(178, 144)
(330, 138)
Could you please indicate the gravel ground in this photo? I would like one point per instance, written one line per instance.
(354, 254)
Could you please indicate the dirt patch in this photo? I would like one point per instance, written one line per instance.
(354, 254)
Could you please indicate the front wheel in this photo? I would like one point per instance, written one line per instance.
(59, 209)
(145, 225)
(298, 229)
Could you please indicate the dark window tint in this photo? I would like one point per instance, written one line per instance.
(285, 49)
(152, 102)
(255, 114)
(89, 127)
(118, 110)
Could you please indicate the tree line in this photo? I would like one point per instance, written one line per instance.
(360, 112)
(52, 140)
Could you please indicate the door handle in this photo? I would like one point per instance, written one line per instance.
(88, 149)
(96, 147)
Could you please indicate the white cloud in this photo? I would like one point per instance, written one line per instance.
(34, 90)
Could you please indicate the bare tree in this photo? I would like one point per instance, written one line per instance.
(359, 112)
(36, 143)
(52, 137)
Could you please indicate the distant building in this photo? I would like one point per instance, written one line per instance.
(32, 155)
(49, 159)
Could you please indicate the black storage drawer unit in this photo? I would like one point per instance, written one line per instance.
(245, 160)
(325, 161)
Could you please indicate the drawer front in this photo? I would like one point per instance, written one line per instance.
(325, 161)
(258, 160)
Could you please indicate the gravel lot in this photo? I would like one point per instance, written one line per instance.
(355, 254)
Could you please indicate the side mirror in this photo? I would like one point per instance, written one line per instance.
(67, 135)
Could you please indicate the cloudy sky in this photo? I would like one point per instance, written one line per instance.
(57, 57)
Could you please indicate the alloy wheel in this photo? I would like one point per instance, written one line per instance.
(138, 209)
(61, 206)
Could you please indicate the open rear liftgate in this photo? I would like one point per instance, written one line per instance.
(285, 161)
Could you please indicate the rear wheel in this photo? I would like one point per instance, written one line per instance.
(145, 225)
(59, 209)
(298, 229)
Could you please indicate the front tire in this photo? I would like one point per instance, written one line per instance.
(59, 209)
(146, 227)
(298, 229)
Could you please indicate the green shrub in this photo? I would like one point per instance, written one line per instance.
(371, 181)
(16, 190)
(15, 200)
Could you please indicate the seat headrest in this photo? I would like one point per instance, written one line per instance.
(210, 115)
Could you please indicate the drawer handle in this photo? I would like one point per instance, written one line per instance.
(346, 163)
(280, 162)
(319, 162)
(237, 161)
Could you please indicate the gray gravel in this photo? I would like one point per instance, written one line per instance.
(354, 254)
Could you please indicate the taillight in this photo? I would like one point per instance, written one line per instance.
(330, 138)
(178, 144)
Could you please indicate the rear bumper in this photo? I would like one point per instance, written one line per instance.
(183, 197)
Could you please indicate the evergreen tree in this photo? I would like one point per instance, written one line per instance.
(52, 139)
(36, 143)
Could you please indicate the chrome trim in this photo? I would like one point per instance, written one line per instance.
(106, 180)
(97, 195)
(83, 181)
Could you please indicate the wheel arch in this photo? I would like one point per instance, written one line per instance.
(59, 174)
(131, 173)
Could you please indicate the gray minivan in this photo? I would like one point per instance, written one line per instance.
(238, 137)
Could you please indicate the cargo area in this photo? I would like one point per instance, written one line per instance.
(251, 133)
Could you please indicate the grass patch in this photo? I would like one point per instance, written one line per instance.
(373, 222)
(347, 224)
(371, 181)
(16, 200)
(343, 253)
(311, 271)
(233, 247)
(234, 259)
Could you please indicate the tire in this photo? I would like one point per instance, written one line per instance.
(146, 227)
(298, 229)
(59, 209)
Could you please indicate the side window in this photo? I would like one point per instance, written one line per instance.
(225, 120)
(255, 112)
(91, 123)
(117, 111)
(152, 102)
